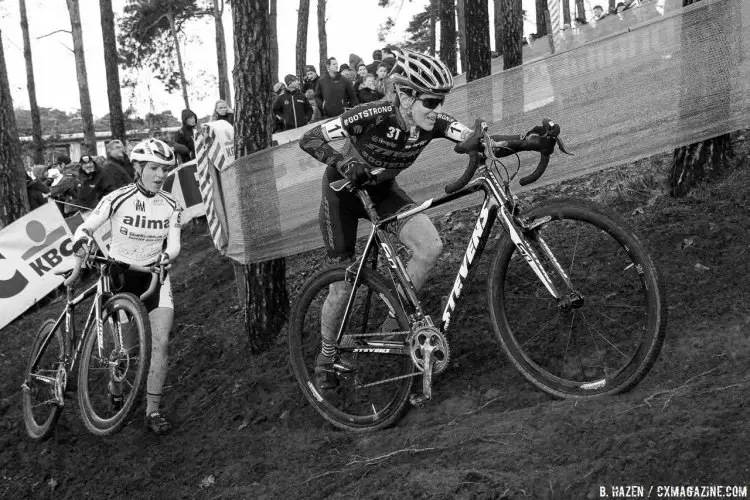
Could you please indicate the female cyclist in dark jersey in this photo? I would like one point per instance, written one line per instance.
(146, 229)
(390, 134)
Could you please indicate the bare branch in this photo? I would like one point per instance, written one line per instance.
(146, 29)
(56, 31)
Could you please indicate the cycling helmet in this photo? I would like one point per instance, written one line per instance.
(423, 73)
(153, 150)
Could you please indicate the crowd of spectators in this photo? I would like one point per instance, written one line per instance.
(313, 97)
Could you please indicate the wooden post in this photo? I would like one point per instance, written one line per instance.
(550, 34)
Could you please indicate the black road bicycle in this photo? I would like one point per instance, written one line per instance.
(115, 351)
(573, 297)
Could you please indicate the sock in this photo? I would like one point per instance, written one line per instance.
(152, 402)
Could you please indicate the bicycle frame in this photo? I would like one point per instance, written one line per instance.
(69, 357)
(498, 204)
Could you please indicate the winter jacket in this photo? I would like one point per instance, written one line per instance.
(92, 187)
(37, 191)
(294, 108)
(184, 145)
(335, 94)
(121, 171)
(366, 94)
(229, 117)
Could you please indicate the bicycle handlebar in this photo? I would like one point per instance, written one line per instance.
(158, 272)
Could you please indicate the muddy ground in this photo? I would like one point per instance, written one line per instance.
(244, 430)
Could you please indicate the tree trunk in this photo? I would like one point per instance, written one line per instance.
(580, 10)
(13, 200)
(183, 80)
(448, 34)
(266, 301)
(274, 41)
(116, 116)
(322, 37)
(699, 161)
(36, 122)
(612, 5)
(225, 92)
(512, 33)
(89, 136)
(566, 12)
(303, 17)
(541, 25)
(498, 27)
(433, 23)
(460, 12)
(478, 63)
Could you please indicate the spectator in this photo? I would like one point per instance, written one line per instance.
(222, 111)
(355, 61)
(36, 188)
(361, 74)
(599, 12)
(350, 75)
(311, 79)
(92, 183)
(334, 93)
(367, 92)
(184, 144)
(377, 57)
(64, 189)
(61, 162)
(278, 124)
(316, 114)
(292, 107)
(620, 7)
(117, 165)
(382, 75)
(389, 58)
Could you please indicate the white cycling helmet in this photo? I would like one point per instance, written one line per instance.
(153, 150)
(423, 73)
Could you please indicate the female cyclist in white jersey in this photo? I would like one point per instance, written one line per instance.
(146, 229)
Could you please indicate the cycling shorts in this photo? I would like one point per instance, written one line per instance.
(136, 283)
(340, 213)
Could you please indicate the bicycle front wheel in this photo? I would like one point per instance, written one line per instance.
(374, 394)
(604, 343)
(41, 408)
(111, 376)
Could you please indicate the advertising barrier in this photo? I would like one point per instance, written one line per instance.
(30, 249)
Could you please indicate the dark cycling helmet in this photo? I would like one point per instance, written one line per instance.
(153, 150)
(423, 73)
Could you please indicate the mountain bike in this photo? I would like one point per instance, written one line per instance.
(574, 299)
(114, 350)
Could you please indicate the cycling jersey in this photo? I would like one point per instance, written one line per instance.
(141, 224)
(376, 135)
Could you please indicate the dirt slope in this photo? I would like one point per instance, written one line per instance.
(245, 431)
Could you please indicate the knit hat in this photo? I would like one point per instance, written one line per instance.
(289, 79)
(310, 67)
(343, 67)
(277, 87)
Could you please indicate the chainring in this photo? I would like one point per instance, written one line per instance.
(434, 338)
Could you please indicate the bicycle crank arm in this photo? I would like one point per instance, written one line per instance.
(420, 399)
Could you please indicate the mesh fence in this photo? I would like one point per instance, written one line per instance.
(677, 79)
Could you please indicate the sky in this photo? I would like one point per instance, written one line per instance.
(352, 27)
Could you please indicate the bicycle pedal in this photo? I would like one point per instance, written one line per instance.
(418, 400)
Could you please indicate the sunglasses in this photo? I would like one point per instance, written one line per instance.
(431, 102)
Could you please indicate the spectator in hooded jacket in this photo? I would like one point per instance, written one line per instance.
(92, 183)
(117, 164)
(292, 107)
(311, 79)
(367, 92)
(334, 92)
(184, 144)
(278, 89)
(36, 188)
(377, 58)
(222, 111)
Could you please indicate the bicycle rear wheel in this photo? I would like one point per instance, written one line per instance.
(604, 344)
(375, 393)
(118, 368)
(41, 409)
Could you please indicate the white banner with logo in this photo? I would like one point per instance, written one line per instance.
(30, 249)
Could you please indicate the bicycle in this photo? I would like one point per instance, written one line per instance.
(115, 350)
(574, 298)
